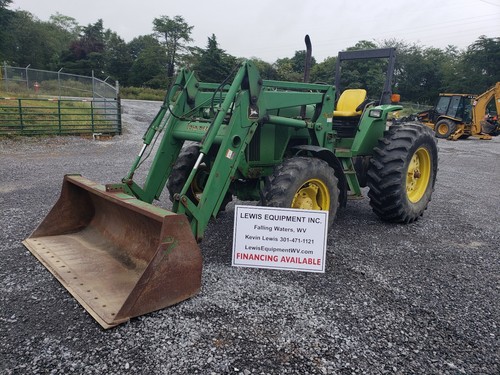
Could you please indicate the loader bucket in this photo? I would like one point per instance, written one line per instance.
(118, 256)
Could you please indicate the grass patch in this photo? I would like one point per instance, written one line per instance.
(142, 93)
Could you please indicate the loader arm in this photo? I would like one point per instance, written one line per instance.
(179, 121)
(481, 102)
(238, 134)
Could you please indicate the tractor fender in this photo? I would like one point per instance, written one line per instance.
(334, 162)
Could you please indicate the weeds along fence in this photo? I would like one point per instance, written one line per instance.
(44, 102)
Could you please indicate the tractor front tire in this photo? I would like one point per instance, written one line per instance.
(445, 128)
(403, 172)
(303, 183)
(182, 169)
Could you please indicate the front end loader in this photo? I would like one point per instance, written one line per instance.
(282, 144)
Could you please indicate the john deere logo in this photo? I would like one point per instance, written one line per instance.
(253, 112)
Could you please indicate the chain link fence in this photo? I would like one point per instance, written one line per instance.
(18, 80)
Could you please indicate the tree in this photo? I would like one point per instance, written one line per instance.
(5, 37)
(266, 69)
(432, 74)
(30, 41)
(480, 64)
(285, 71)
(292, 69)
(7, 49)
(66, 23)
(140, 43)
(324, 71)
(214, 64)
(421, 73)
(368, 74)
(149, 61)
(117, 60)
(450, 69)
(86, 53)
(61, 30)
(174, 33)
(299, 62)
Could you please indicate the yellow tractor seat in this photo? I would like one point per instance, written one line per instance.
(348, 103)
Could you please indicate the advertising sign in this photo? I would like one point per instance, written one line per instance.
(280, 238)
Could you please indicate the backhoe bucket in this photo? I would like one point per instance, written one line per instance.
(118, 256)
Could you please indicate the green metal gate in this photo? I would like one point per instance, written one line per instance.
(34, 116)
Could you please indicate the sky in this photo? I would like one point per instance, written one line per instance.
(275, 29)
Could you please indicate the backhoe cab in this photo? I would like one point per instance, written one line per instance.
(281, 144)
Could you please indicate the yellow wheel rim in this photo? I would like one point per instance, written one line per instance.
(442, 129)
(199, 182)
(418, 175)
(312, 195)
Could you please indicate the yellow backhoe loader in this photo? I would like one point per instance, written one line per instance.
(462, 115)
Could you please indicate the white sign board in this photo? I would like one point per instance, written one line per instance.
(279, 238)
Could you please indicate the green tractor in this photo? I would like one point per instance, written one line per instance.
(281, 144)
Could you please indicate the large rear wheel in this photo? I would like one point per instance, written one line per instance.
(403, 172)
(303, 183)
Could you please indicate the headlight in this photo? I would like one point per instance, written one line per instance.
(376, 113)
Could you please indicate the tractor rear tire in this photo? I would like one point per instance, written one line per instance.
(444, 128)
(182, 169)
(403, 172)
(303, 183)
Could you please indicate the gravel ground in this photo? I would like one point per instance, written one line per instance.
(395, 299)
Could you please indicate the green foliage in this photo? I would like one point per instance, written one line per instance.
(66, 23)
(266, 70)
(12, 88)
(299, 61)
(367, 74)
(6, 16)
(292, 69)
(214, 64)
(149, 61)
(30, 41)
(416, 75)
(86, 54)
(117, 59)
(324, 71)
(285, 72)
(49, 88)
(174, 33)
(142, 93)
(480, 64)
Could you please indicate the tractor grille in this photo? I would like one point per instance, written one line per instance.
(345, 127)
